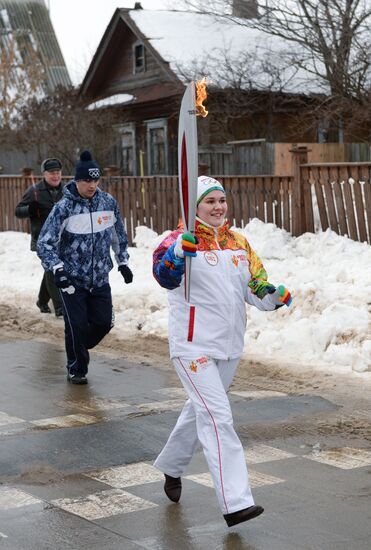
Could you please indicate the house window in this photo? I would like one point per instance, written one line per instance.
(127, 151)
(157, 147)
(139, 58)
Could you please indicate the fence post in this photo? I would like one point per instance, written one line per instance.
(299, 156)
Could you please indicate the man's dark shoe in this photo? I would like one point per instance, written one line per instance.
(76, 378)
(44, 308)
(59, 312)
(173, 488)
(243, 515)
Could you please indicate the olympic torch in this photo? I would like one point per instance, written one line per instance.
(190, 107)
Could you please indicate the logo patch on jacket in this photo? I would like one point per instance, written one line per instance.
(236, 258)
(202, 362)
(104, 219)
(211, 258)
(193, 366)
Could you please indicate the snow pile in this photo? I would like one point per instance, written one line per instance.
(328, 276)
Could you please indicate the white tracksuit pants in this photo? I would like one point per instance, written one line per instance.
(207, 417)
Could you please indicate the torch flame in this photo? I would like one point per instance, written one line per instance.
(201, 95)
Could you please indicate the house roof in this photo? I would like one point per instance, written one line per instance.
(190, 40)
(190, 45)
(28, 23)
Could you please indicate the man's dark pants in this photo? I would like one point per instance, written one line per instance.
(49, 290)
(88, 317)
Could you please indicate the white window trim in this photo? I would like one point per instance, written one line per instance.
(129, 128)
(151, 125)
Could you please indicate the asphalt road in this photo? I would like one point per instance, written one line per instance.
(76, 463)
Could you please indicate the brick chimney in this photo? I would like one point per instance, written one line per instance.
(246, 9)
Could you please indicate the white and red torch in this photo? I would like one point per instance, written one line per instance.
(191, 106)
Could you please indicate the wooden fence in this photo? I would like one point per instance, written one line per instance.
(154, 201)
(341, 195)
(338, 195)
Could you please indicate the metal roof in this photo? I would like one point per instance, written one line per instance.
(28, 22)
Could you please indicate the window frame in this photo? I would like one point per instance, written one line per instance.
(122, 129)
(142, 68)
(155, 124)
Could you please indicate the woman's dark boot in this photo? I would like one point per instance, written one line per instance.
(243, 515)
(173, 488)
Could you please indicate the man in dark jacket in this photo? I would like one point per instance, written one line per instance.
(75, 243)
(36, 204)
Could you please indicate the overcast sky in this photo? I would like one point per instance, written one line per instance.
(80, 25)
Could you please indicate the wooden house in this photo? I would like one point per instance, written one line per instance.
(140, 69)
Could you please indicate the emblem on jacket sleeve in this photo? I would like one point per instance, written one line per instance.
(211, 258)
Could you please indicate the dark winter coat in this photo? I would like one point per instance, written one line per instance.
(45, 196)
(79, 235)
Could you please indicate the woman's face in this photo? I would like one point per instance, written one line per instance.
(213, 208)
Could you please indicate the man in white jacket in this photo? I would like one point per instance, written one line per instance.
(206, 338)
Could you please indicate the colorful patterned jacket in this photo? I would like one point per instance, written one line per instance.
(225, 274)
(79, 233)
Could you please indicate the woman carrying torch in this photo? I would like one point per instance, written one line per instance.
(206, 338)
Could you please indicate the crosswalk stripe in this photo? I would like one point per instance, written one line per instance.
(345, 458)
(126, 476)
(104, 504)
(14, 498)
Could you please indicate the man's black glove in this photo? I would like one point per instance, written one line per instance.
(126, 273)
(34, 210)
(62, 280)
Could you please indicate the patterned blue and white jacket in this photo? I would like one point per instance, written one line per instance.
(78, 234)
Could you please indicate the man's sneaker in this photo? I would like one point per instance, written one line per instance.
(76, 378)
(59, 312)
(44, 308)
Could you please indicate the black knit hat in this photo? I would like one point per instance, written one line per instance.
(48, 165)
(87, 169)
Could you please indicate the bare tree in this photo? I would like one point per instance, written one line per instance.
(330, 38)
(21, 77)
(61, 125)
(250, 87)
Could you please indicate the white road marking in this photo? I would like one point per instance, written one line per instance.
(264, 453)
(258, 394)
(6, 419)
(97, 404)
(14, 498)
(345, 458)
(171, 405)
(257, 479)
(127, 476)
(104, 504)
(67, 421)
(202, 479)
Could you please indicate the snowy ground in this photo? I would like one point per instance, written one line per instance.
(326, 327)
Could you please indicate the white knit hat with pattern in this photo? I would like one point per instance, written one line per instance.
(205, 185)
